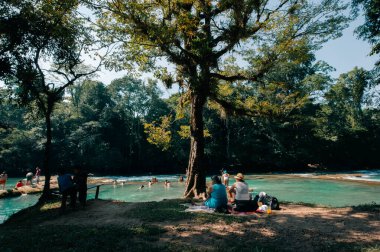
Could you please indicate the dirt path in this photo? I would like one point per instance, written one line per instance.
(294, 227)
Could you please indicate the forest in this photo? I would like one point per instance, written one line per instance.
(252, 97)
(102, 128)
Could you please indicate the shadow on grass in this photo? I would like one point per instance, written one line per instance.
(165, 226)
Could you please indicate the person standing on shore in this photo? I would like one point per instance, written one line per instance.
(3, 179)
(38, 174)
(80, 180)
(67, 188)
(226, 178)
(29, 178)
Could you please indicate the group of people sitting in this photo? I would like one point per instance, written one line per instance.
(238, 194)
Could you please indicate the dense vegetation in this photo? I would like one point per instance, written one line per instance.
(102, 128)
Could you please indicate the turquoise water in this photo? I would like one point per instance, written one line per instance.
(131, 193)
(317, 191)
(11, 183)
(293, 189)
(10, 206)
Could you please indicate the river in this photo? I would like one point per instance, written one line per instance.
(360, 187)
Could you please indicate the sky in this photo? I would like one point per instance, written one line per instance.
(347, 52)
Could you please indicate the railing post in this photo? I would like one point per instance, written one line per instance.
(97, 192)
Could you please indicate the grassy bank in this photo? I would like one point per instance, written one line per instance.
(157, 226)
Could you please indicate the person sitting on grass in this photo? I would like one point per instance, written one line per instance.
(67, 188)
(239, 193)
(217, 196)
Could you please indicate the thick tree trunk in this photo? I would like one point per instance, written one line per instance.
(46, 169)
(196, 173)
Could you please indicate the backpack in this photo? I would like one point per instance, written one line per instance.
(275, 204)
(270, 201)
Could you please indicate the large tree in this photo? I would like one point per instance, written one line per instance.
(41, 49)
(197, 36)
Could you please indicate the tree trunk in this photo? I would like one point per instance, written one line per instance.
(46, 192)
(228, 139)
(196, 173)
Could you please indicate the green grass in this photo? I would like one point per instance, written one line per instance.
(23, 232)
(371, 249)
(80, 238)
(167, 210)
(172, 210)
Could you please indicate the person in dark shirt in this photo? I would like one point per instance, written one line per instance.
(80, 180)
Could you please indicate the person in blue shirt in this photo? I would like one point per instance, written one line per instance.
(67, 188)
(217, 195)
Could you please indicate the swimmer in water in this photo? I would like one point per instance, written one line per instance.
(167, 183)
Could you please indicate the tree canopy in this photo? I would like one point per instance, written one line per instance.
(200, 37)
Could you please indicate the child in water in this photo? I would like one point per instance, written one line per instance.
(167, 183)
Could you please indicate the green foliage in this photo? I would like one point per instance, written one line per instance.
(102, 131)
(184, 132)
(344, 101)
(159, 135)
(370, 29)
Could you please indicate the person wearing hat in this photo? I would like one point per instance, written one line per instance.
(239, 191)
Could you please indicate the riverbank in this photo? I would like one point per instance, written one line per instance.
(158, 226)
(37, 188)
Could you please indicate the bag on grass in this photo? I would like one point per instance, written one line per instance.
(268, 200)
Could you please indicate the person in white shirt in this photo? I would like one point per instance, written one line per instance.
(239, 191)
(225, 177)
